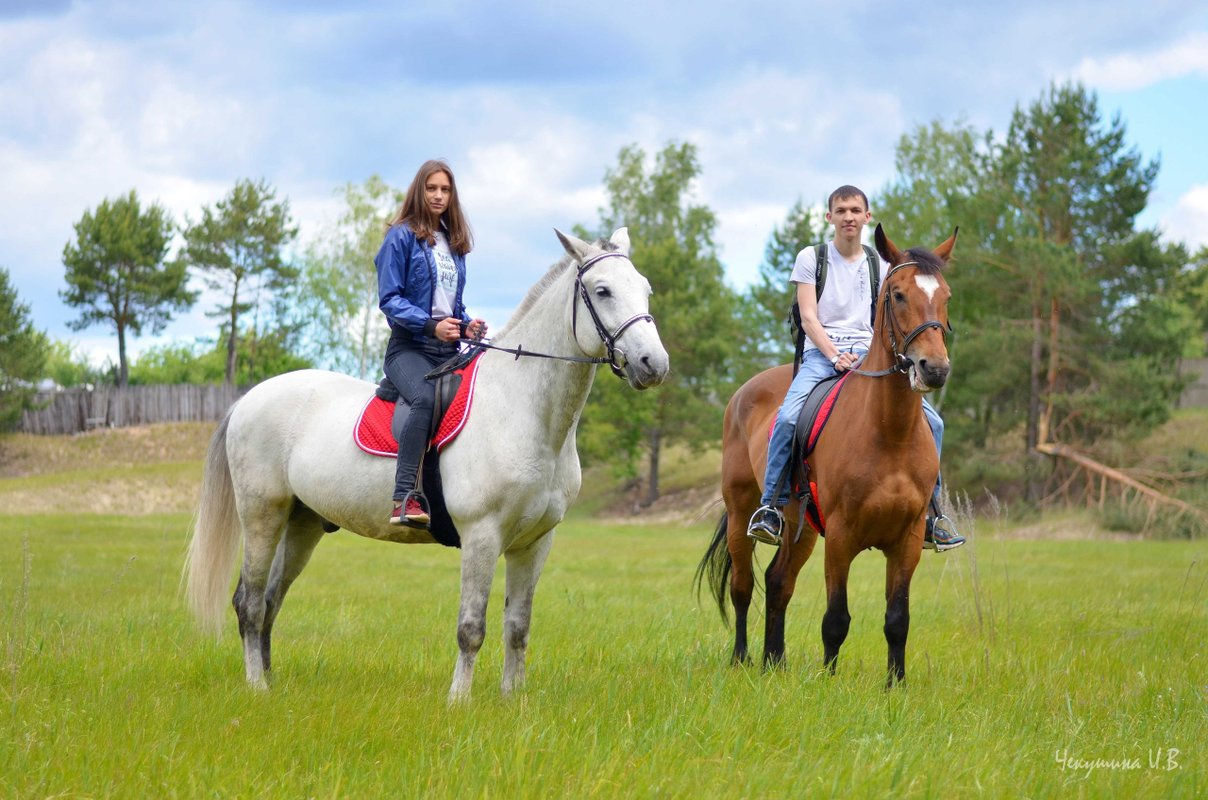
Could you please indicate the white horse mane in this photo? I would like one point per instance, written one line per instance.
(539, 288)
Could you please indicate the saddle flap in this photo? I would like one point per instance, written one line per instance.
(447, 387)
(815, 413)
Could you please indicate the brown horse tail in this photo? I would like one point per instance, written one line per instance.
(716, 565)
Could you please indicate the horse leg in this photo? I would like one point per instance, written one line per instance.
(900, 564)
(478, 556)
(303, 531)
(263, 523)
(523, 570)
(742, 579)
(836, 620)
(780, 581)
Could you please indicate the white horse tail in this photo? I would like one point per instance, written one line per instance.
(215, 540)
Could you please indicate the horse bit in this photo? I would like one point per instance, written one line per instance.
(609, 339)
(902, 364)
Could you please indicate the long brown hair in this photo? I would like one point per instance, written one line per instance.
(416, 214)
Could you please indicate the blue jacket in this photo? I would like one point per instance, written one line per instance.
(406, 272)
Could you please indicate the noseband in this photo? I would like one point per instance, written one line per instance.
(901, 363)
(609, 339)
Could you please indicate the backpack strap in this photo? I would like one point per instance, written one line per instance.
(821, 260)
(821, 251)
(874, 275)
(798, 334)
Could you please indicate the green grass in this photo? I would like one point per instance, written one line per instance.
(85, 479)
(1019, 651)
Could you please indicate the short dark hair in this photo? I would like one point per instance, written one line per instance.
(844, 192)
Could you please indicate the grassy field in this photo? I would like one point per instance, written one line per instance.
(1036, 669)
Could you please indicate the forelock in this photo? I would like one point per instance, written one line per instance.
(928, 262)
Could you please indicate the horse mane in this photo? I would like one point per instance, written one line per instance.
(928, 262)
(550, 277)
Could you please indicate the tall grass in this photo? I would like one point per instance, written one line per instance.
(1028, 664)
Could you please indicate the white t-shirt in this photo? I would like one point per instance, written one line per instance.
(444, 293)
(846, 300)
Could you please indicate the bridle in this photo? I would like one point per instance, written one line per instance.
(901, 364)
(615, 358)
(609, 339)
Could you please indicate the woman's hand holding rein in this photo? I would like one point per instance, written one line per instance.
(450, 329)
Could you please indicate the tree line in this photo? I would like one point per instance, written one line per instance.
(1073, 318)
(1070, 316)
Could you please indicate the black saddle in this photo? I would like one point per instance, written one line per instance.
(804, 435)
(447, 383)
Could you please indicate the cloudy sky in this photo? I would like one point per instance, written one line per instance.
(531, 101)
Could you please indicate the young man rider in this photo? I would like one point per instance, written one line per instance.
(838, 333)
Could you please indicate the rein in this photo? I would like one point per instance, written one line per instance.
(902, 364)
(609, 339)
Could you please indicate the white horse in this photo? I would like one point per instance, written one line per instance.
(283, 462)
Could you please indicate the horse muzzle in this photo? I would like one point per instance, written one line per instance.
(928, 374)
(647, 370)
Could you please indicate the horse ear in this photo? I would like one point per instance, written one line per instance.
(576, 247)
(885, 247)
(944, 251)
(620, 238)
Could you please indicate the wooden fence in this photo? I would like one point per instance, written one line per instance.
(77, 410)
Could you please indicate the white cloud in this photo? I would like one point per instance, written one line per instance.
(781, 138)
(1131, 71)
(1187, 222)
(180, 103)
(742, 234)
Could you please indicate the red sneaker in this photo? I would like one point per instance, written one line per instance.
(409, 512)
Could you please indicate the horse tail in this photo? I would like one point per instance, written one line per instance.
(716, 566)
(215, 540)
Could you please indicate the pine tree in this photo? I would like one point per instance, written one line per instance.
(115, 272)
(239, 245)
(764, 310)
(23, 352)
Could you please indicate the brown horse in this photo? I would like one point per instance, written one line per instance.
(875, 466)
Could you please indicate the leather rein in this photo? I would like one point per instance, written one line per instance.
(615, 357)
(902, 364)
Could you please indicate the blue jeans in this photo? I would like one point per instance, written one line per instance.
(815, 367)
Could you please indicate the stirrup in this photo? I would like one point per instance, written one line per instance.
(766, 525)
(941, 534)
(417, 497)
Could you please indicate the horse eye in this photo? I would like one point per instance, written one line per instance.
(603, 291)
(898, 296)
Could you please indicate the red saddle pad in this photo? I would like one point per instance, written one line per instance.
(372, 431)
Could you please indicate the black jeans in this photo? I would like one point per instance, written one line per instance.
(406, 363)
